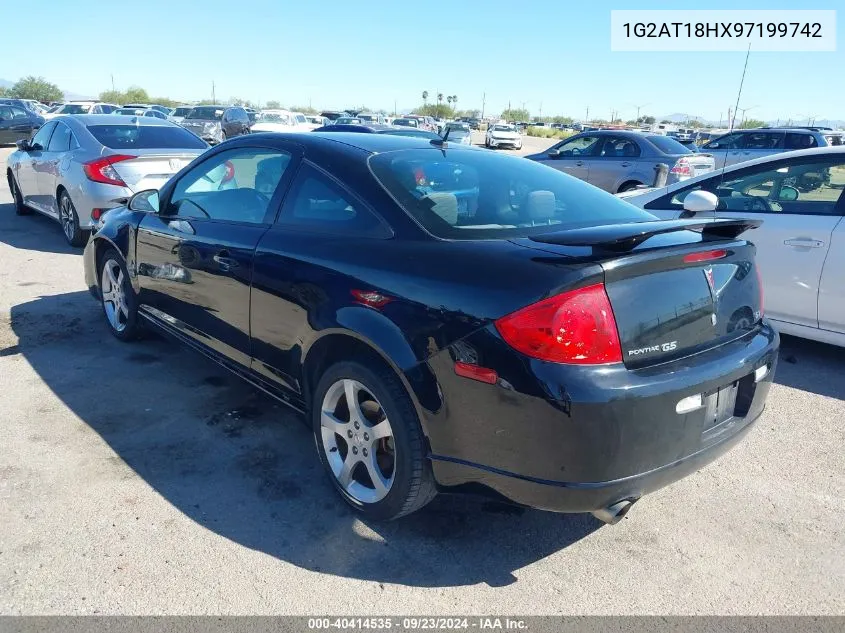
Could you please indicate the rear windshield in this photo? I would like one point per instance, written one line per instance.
(465, 194)
(145, 137)
(668, 145)
(74, 108)
(208, 114)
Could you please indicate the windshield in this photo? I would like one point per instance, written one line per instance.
(462, 194)
(668, 145)
(300, 118)
(206, 113)
(181, 111)
(406, 122)
(145, 137)
(274, 117)
(74, 108)
(504, 128)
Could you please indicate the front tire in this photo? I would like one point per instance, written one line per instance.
(374, 449)
(629, 186)
(117, 297)
(74, 235)
(17, 197)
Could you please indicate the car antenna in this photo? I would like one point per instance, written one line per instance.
(441, 142)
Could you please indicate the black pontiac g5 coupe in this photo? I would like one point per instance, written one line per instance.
(450, 318)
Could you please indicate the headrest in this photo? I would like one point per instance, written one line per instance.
(540, 205)
(445, 205)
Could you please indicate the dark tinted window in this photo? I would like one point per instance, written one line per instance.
(464, 194)
(238, 114)
(42, 138)
(18, 113)
(181, 111)
(155, 114)
(668, 145)
(728, 141)
(236, 186)
(145, 137)
(75, 108)
(619, 147)
(763, 140)
(61, 139)
(108, 109)
(206, 112)
(319, 204)
(6, 113)
(797, 140)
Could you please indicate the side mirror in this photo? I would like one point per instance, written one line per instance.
(788, 194)
(23, 145)
(146, 201)
(553, 152)
(700, 201)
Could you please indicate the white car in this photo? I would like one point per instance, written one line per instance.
(503, 135)
(82, 107)
(281, 121)
(801, 243)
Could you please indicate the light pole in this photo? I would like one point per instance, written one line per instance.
(639, 107)
(744, 110)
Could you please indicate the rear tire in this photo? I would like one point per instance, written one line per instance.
(629, 186)
(383, 410)
(17, 197)
(117, 297)
(69, 220)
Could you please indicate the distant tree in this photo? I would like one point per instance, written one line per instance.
(36, 88)
(665, 121)
(425, 96)
(440, 97)
(752, 123)
(113, 96)
(206, 102)
(5, 92)
(304, 109)
(438, 110)
(136, 94)
(449, 100)
(454, 101)
(167, 102)
(646, 120)
(274, 105)
(516, 114)
(566, 120)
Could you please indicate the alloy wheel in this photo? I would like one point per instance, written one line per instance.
(357, 440)
(67, 217)
(114, 297)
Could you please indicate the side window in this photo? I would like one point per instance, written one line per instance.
(42, 138)
(61, 139)
(18, 113)
(729, 141)
(317, 203)
(227, 115)
(581, 146)
(797, 140)
(235, 186)
(763, 140)
(618, 147)
(6, 113)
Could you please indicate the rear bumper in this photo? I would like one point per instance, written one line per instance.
(92, 195)
(576, 439)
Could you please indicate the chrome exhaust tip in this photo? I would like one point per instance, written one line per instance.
(613, 514)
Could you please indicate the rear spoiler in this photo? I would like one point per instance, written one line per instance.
(626, 237)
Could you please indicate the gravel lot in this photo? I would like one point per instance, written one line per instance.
(142, 479)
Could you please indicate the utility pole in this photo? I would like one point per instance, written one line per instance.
(483, 103)
(587, 118)
(541, 110)
(213, 93)
(112, 83)
(394, 107)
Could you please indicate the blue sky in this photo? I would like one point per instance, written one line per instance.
(338, 54)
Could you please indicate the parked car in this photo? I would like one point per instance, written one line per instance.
(215, 123)
(17, 123)
(316, 120)
(368, 118)
(148, 112)
(405, 122)
(179, 113)
(457, 133)
(801, 244)
(347, 120)
(380, 129)
(331, 115)
(163, 109)
(76, 168)
(474, 124)
(617, 160)
(340, 276)
(252, 113)
(282, 121)
(27, 104)
(743, 145)
(82, 107)
(503, 136)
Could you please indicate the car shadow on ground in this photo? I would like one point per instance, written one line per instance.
(810, 366)
(34, 232)
(240, 464)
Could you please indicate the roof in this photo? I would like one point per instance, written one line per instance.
(112, 119)
(372, 143)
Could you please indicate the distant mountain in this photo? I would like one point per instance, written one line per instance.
(6, 84)
(73, 96)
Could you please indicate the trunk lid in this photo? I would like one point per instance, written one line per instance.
(674, 291)
(152, 167)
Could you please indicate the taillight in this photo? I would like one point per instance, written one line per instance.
(101, 170)
(576, 327)
(705, 256)
(371, 298)
(681, 168)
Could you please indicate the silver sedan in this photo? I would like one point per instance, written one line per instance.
(78, 167)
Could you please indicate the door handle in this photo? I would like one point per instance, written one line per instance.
(579, 163)
(225, 262)
(626, 164)
(806, 243)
